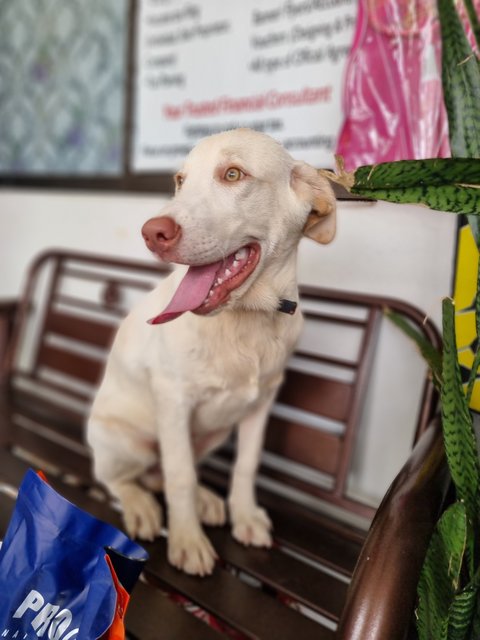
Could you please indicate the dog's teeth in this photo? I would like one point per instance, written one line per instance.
(235, 263)
(241, 254)
(228, 272)
(219, 281)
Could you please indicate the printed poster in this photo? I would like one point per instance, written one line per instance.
(204, 67)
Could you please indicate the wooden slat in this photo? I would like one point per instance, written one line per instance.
(151, 615)
(73, 364)
(12, 469)
(57, 454)
(329, 360)
(302, 444)
(88, 305)
(109, 279)
(324, 494)
(244, 608)
(64, 420)
(333, 317)
(79, 328)
(6, 508)
(315, 535)
(285, 574)
(46, 385)
(323, 396)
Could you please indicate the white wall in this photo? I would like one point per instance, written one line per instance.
(400, 251)
(397, 250)
(31, 221)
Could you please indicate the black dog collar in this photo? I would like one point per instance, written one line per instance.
(287, 306)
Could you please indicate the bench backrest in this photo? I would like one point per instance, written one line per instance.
(71, 308)
(69, 313)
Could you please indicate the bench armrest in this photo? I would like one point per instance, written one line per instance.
(8, 309)
(381, 596)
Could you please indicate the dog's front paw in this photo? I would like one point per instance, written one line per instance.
(252, 527)
(210, 507)
(141, 513)
(191, 551)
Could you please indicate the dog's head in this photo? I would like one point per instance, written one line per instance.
(241, 205)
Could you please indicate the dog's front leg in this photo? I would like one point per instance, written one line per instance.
(188, 547)
(250, 523)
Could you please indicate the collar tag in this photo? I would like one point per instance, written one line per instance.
(287, 306)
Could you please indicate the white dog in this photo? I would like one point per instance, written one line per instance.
(174, 392)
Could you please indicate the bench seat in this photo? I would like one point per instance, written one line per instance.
(325, 577)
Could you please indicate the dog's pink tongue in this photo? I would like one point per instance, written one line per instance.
(191, 292)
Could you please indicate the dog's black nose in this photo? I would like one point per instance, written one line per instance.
(161, 234)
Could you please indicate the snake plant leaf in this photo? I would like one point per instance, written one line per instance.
(440, 576)
(474, 21)
(457, 423)
(430, 353)
(451, 198)
(461, 83)
(445, 184)
(434, 172)
(463, 618)
(475, 633)
(474, 222)
(473, 375)
(461, 613)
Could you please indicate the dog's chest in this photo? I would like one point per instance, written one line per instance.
(238, 379)
(226, 401)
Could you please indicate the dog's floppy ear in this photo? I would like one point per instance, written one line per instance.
(314, 189)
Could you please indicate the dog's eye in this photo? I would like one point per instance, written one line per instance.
(179, 180)
(233, 174)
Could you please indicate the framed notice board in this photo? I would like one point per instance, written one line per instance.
(113, 93)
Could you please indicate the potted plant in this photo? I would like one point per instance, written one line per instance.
(449, 587)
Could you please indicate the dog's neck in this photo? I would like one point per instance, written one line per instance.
(276, 289)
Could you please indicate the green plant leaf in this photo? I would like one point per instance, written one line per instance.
(414, 173)
(461, 613)
(451, 198)
(474, 222)
(476, 621)
(461, 83)
(446, 184)
(457, 423)
(440, 576)
(473, 375)
(430, 353)
(474, 21)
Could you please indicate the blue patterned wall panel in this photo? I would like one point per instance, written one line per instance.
(62, 86)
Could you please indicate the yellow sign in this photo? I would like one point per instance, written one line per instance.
(464, 297)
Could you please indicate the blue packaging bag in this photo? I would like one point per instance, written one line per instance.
(55, 579)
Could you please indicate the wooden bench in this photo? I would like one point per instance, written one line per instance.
(52, 362)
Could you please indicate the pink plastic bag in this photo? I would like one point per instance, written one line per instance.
(392, 100)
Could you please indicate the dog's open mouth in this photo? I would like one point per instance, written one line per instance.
(204, 288)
